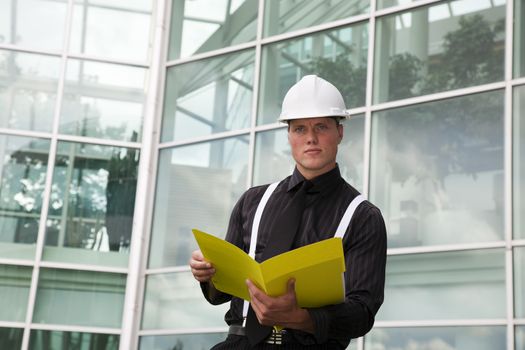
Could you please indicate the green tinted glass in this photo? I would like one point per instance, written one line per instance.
(47, 340)
(519, 38)
(203, 25)
(175, 301)
(437, 171)
(28, 88)
(197, 187)
(458, 283)
(284, 16)
(208, 96)
(11, 338)
(518, 153)
(446, 46)
(23, 166)
(103, 100)
(91, 207)
(464, 338)
(81, 298)
(14, 287)
(339, 56)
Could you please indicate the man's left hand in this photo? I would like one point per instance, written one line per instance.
(280, 311)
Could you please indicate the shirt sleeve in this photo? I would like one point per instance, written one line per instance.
(365, 257)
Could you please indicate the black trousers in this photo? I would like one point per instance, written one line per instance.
(239, 342)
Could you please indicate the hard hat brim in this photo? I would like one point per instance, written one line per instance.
(287, 118)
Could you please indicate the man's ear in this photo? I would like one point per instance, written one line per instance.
(340, 130)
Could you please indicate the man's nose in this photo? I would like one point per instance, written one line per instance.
(311, 137)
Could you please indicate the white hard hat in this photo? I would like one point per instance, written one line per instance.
(312, 97)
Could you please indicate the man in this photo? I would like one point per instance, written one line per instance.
(312, 108)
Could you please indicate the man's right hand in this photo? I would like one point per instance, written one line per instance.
(202, 270)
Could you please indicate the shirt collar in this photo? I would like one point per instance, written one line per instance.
(323, 183)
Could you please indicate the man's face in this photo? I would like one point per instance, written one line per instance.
(314, 144)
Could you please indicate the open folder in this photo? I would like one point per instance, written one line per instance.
(317, 269)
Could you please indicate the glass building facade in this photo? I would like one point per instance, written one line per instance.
(124, 124)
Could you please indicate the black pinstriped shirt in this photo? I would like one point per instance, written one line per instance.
(364, 245)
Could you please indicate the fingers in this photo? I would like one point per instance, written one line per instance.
(202, 270)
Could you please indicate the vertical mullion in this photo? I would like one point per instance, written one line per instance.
(49, 179)
(508, 200)
(255, 96)
(148, 157)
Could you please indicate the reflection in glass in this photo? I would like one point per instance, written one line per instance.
(208, 96)
(28, 87)
(103, 100)
(273, 158)
(203, 25)
(175, 301)
(289, 15)
(81, 298)
(11, 338)
(339, 56)
(519, 282)
(519, 162)
(35, 24)
(197, 187)
(14, 288)
(519, 38)
(437, 48)
(23, 166)
(451, 285)
(181, 341)
(464, 338)
(91, 206)
(437, 171)
(47, 340)
(116, 29)
(520, 338)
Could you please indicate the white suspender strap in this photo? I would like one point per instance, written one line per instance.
(255, 233)
(345, 221)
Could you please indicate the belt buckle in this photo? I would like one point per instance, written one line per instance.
(276, 338)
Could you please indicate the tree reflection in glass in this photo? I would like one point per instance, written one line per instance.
(437, 170)
(22, 179)
(91, 205)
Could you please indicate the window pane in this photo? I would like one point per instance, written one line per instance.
(83, 298)
(118, 30)
(14, 287)
(23, 169)
(36, 24)
(47, 340)
(438, 48)
(203, 25)
(289, 15)
(519, 38)
(459, 284)
(519, 283)
(208, 96)
(273, 158)
(28, 87)
(338, 56)
(437, 171)
(103, 100)
(11, 338)
(460, 338)
(175, 301)
(520, 338)
(181, 341)
(92, 202)
(274, 161)
(519, 162)
(197, 187)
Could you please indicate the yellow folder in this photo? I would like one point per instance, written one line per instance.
(317, 269)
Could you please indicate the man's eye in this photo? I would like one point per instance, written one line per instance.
(299, 129)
